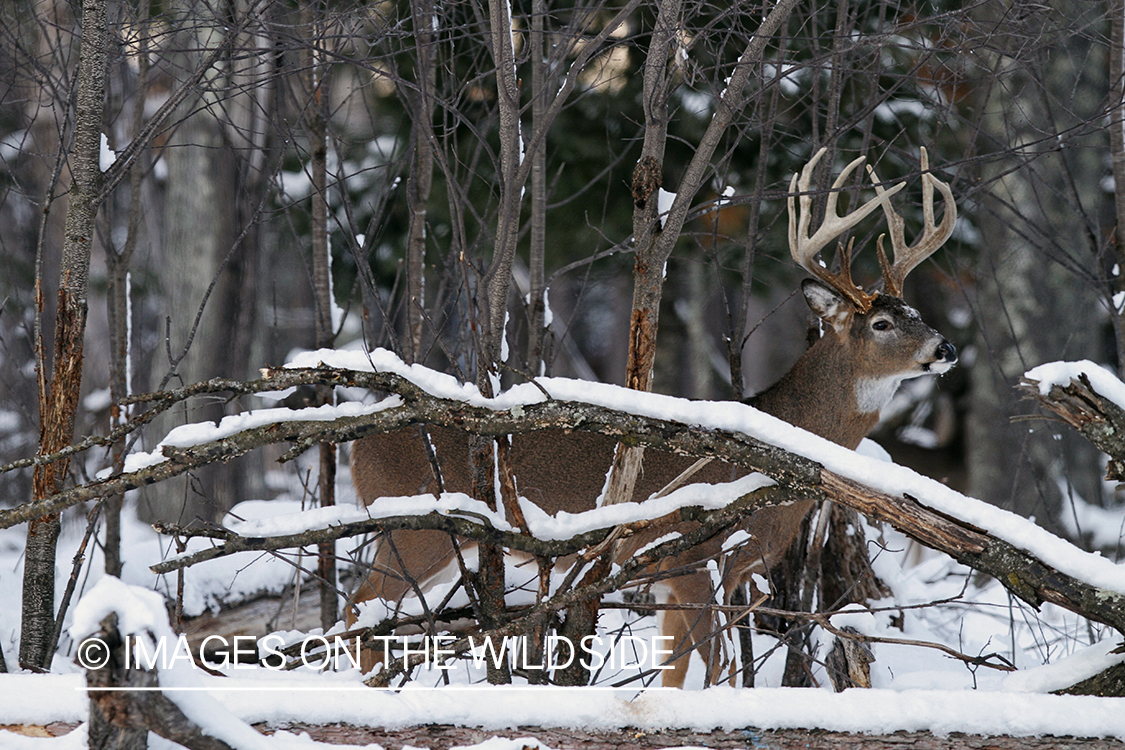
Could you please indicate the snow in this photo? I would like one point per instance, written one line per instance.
(141, 613)
(1066, 672)
(106, 155)
(933, 599)
(138, 610)
(787, 75)
(664, 201)
(491, 708)
(1061, 373)
(893, 110)
(1105, 527)
(541, 525)
(188, 435)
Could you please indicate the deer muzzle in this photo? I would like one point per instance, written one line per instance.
(945, 357)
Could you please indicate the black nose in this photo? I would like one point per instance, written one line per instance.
(946, 351)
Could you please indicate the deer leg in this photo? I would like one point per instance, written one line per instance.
(688, 627)
(674, 626)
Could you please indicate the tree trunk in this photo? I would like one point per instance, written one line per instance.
(118, 309)
(420, 179)
(58, 398)
(1117, 153)
(316, 129)
(1033, 300)
(207, 275)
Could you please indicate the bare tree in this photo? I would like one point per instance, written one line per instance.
(58, 394)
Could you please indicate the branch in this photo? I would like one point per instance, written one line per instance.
(274, 379)
(462, 527)
(715, 523)
(127, 156)
(1020, 572)
(420, 407)
(125, 700)
(1100, 420)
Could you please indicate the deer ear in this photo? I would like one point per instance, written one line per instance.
(827, 304)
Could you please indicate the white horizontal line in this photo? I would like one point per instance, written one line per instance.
(318, 688)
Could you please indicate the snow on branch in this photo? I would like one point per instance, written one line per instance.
(483, 530)
(1088, 398)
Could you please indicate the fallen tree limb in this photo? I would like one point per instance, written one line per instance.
(1100, 420)
(1021, 573)
(715, 523)
(125, 701)
(419, 407)
(1025, 576)
(458, 525)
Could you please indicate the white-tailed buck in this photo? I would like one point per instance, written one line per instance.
(871, 343)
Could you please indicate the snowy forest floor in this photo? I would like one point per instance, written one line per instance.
(448, 736)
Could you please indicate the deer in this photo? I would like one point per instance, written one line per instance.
(871, 342)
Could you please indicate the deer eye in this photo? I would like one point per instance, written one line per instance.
(881, 325)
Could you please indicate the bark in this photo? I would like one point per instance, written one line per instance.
(207, 273)
(537, 288)
(118, 298)
(58, 398)
(121, 717)
(1110, 683)
(420, 179)
(655, 241)
(1116, 9)
(447, 737)
(497, 280)
(486, 456)
(1098, 419)
(654, 238)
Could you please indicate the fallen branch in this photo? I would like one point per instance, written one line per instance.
(716, 522)
(1020, 572)
(125, 701)
(420, 407)
(1100, 420)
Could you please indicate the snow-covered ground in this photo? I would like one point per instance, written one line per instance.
(934, 600)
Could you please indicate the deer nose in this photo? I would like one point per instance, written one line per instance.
(946, 352)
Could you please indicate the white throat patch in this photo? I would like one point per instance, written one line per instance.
(872, 394)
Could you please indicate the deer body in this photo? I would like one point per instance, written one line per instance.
(835, 390)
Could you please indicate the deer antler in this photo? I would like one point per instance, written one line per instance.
(805, 248)
(933, 237)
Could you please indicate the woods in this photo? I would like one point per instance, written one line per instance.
(194, 194)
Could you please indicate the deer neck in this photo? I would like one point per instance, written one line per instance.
(824, 394)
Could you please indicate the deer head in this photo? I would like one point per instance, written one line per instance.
(872, 340)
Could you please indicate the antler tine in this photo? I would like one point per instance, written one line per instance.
(805, 248)
(933, 237)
